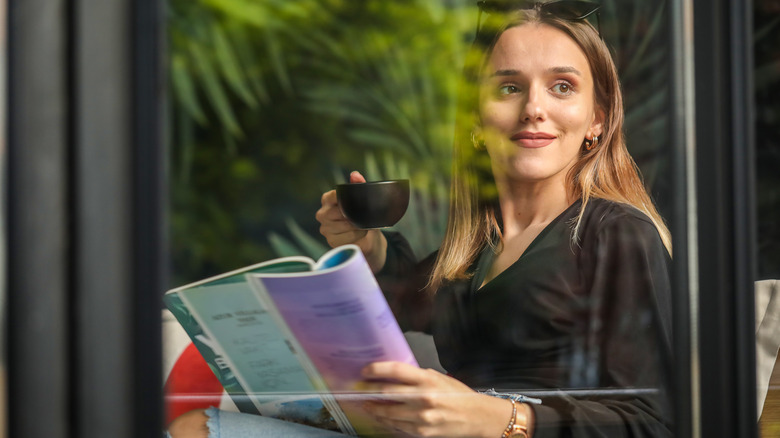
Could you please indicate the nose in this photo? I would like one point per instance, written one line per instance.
(533, 108)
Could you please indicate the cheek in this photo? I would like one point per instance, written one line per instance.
(497, 115)
(577, 120)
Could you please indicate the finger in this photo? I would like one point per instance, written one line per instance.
(338, 239)
(399, 428)
(414, 422)
(335, 223)
(391, 411)
(356, 177)
(414, 397)
(389, 391)
(395, 371)
(329, 213)
(329, 198)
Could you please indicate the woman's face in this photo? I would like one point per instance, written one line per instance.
(536, 104)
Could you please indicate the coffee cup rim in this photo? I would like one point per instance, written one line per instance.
(375, 183)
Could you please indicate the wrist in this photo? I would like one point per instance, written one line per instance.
(520, 423)
(529, 419)
(376, 250)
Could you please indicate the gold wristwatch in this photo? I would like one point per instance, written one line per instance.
(518, 431)
(518, 423)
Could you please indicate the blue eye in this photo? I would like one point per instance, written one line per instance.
(562, 88)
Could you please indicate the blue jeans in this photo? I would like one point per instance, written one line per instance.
(223, 424)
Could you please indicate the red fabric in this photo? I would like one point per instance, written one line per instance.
(190, 376)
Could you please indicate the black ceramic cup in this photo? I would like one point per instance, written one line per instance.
(376, 204)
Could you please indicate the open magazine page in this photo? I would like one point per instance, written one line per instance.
(244, 347)
(340, 318)
(214, 358)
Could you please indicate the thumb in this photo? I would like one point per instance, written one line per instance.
(356, 177)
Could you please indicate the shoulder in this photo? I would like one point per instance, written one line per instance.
(601, 213)
(609, 220)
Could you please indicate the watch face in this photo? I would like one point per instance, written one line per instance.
(518, 431)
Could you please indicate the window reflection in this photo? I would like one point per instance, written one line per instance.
(276, 102)
(767, 75)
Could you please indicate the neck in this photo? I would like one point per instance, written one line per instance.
(530, 204)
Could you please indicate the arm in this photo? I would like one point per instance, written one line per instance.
(404, 282)
(339, 231)
(422, 402)
(390, 257)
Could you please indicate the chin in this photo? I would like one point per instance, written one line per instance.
(525, 170)
(528, 171)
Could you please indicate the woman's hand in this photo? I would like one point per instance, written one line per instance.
(423, 402)
(339, 231)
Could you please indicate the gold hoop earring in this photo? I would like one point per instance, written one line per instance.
(479, 143)
(591, 144)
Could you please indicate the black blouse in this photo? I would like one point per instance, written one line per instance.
(584, 325)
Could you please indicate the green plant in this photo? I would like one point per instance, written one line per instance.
(263, 90)
(275, 101)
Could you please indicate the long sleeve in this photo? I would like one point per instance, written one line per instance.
(403, 280)
(626, 351)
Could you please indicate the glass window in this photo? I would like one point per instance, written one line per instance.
(3, 293)
(274, 103)
(767, 76)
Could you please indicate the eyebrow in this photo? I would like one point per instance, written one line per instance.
(557, 70)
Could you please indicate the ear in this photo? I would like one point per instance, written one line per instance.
(597, 126)
(478, 137)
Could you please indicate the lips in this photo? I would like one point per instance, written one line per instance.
(528, 139)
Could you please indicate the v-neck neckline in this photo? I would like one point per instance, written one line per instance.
(488, 255)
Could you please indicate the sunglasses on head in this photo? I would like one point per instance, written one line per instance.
(570, 10)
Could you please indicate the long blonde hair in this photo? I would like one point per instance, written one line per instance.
(607, 172)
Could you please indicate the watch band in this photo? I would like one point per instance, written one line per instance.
(518, 422)
(518, 431)
(512, 419)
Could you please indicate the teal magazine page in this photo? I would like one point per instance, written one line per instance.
(245, 349)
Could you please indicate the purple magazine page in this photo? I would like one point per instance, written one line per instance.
(339, 317)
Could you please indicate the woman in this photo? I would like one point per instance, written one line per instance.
(560, 280)
(552, 275)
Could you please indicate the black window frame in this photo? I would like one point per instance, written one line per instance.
(86, 196)
(725, 204)
(86, 217)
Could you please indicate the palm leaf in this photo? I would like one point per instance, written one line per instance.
(245, 52)
(308, 244)
(281, 246)
(184, 89)
(254, 13)
(213, 88)
(644, 44)
(229, 66)
(375, 140)
(276, 58)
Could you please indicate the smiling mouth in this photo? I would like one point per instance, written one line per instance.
(532, 139)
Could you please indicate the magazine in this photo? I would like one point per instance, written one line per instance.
(287, 338)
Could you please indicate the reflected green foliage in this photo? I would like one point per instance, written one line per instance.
(274, 101)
